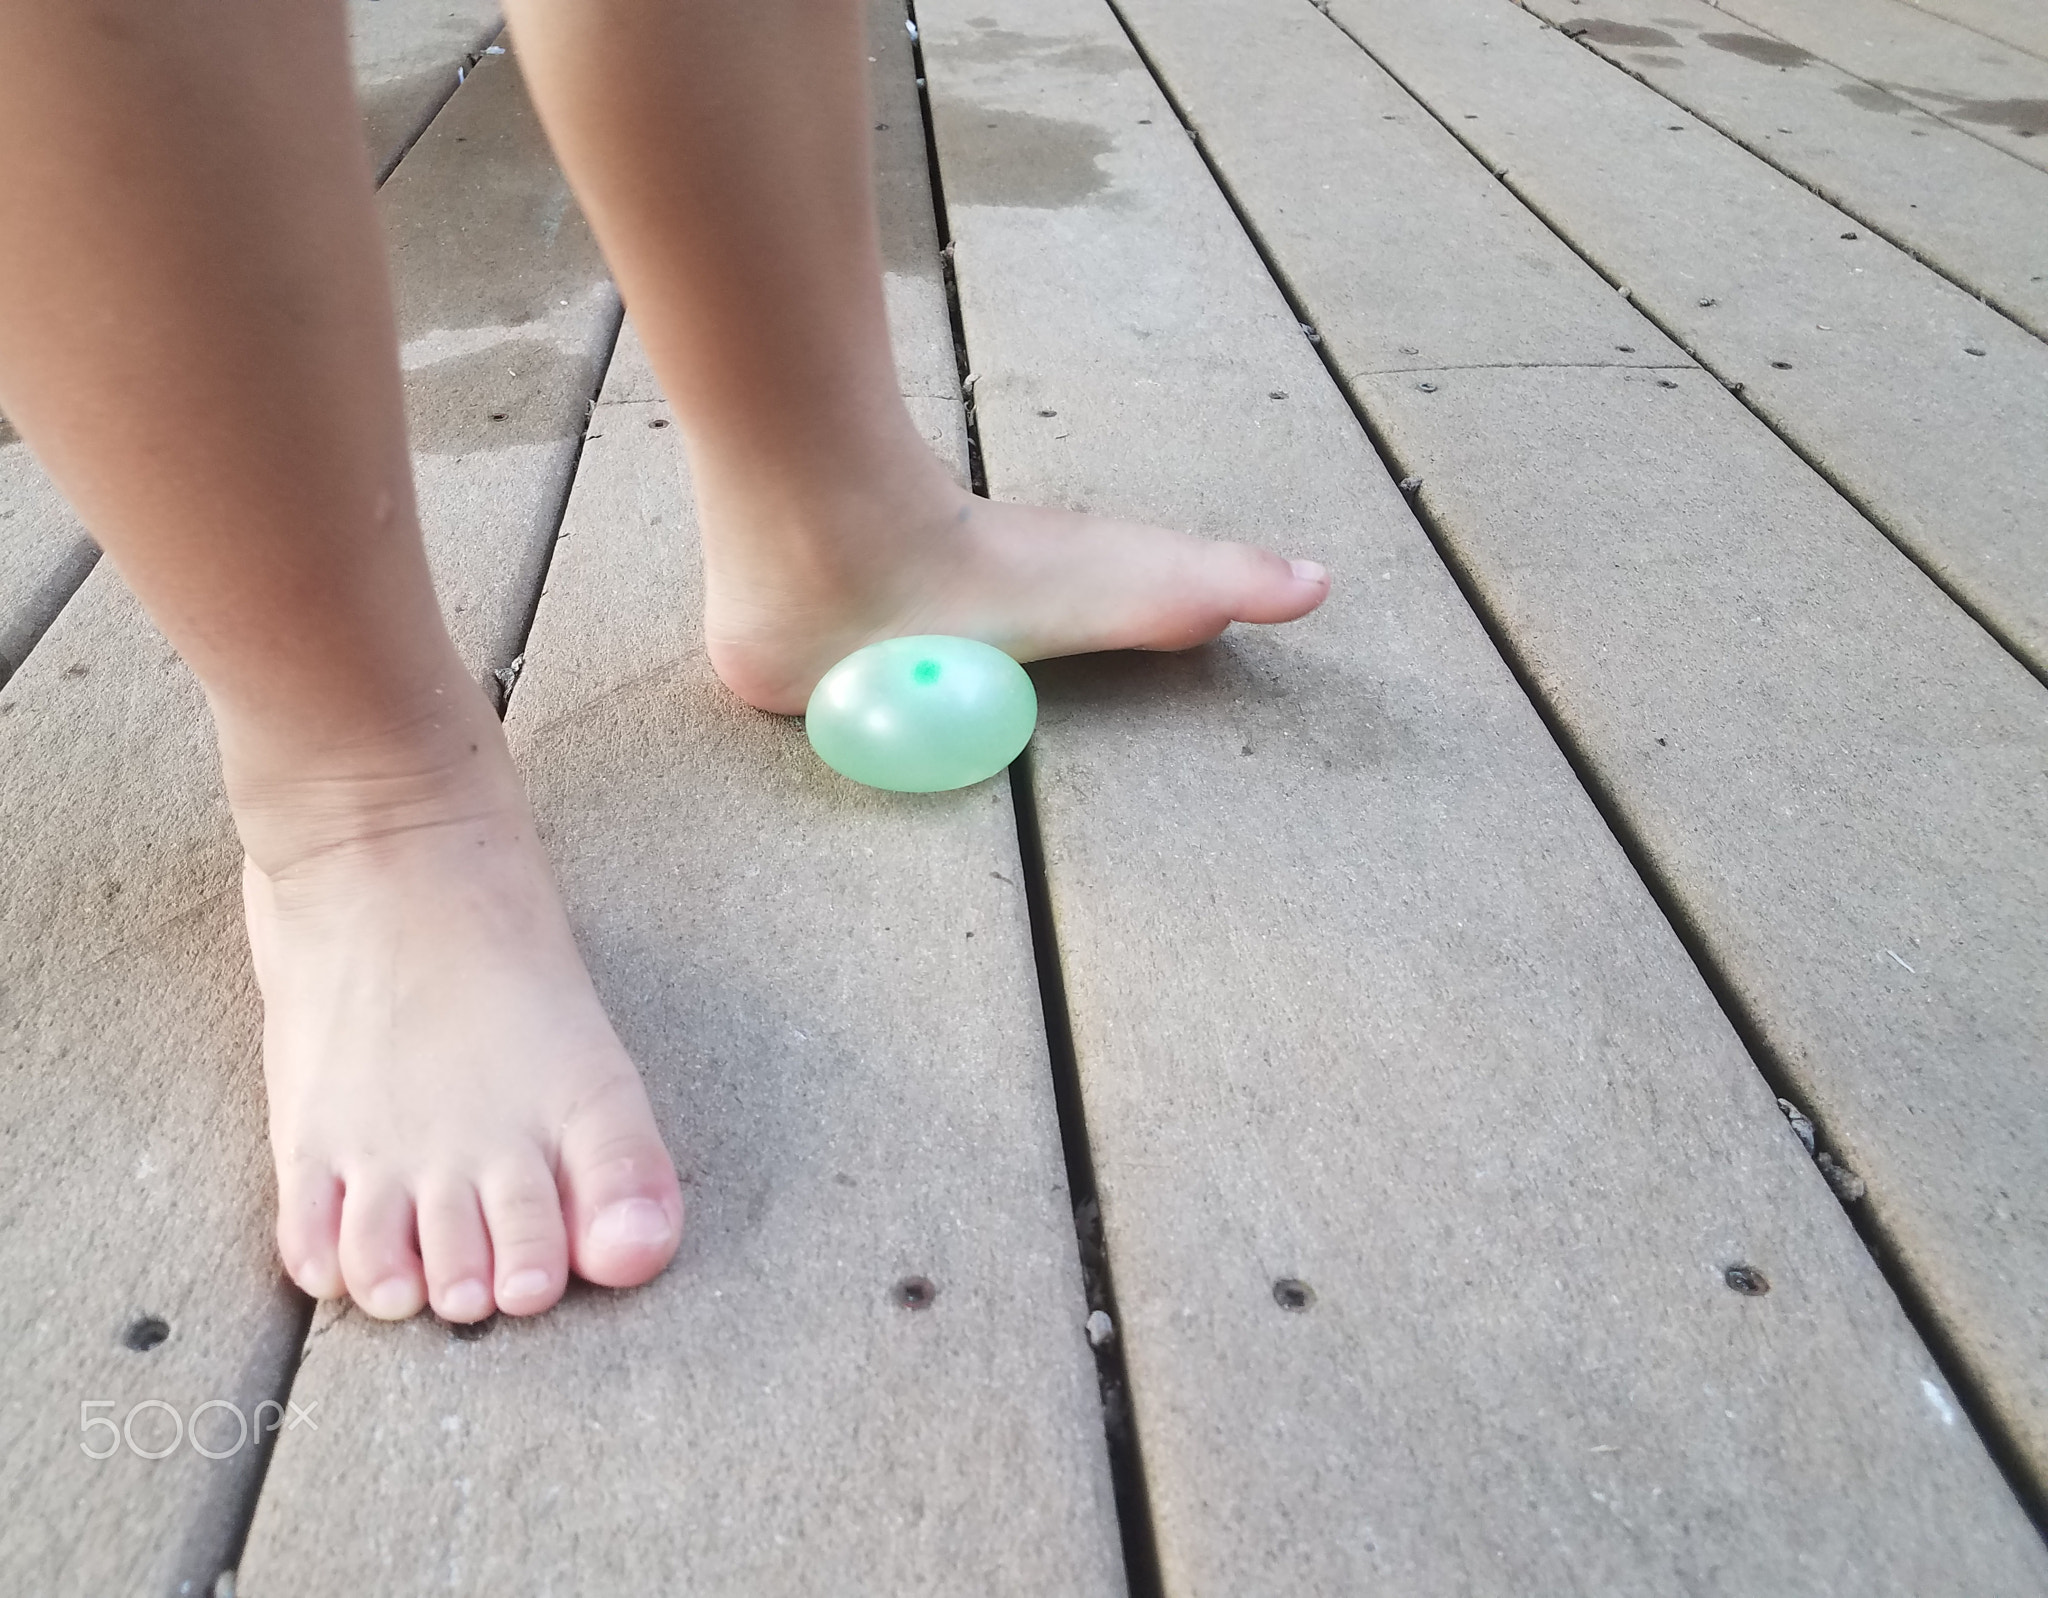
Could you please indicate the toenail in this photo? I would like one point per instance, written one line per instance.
(467, 1300)
(631, 1223)
(527, 1284)
(1308, 571)
(392, 1299)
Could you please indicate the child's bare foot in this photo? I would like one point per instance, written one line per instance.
(792, 588)
(454, 1121)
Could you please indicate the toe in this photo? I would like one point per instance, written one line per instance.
(309, 1227)
(625, 1206)
(456, 1251)
(378, 1259)
(1264, 587)
(529, 1245)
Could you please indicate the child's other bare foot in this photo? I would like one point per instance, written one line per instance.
(453, 1119)
(796, 584)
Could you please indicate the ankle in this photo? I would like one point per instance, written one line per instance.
(847, 520)
(296, 796)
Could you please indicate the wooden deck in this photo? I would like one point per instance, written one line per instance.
(1401, 1033)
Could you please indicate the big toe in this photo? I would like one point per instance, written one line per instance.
(625, 1207)
(1260, 586)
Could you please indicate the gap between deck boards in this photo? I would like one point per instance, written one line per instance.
(1862, 500)
(1896, 1268)
(1119, 1421)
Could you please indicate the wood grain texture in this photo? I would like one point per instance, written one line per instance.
(1832, 772)
(1364, 994)
(137, 1181)
(1988, 90)
(1948, 199)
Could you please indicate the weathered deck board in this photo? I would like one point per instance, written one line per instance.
(1851, 349)
(2019, 23)
(1835, 775)
(833, 995)
(1998, 94)
(1949, 199)
(137, 1181)
(407, 55)
(406, 58)
(1363, 991)
(44, 551)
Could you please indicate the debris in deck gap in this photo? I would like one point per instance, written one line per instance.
(1802, 1128)
(910, 27)
(1101, 1328)
(1848, 1186)
(509, 675)
(1747, 1280)
(1410, 484)
(1310, 333)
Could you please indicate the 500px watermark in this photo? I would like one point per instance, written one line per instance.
(226, 1429)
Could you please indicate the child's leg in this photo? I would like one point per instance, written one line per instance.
(720, 149)
(195, 334)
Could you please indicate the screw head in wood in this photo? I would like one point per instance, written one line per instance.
(915, 1292)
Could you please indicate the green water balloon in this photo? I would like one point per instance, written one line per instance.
(919, 715)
